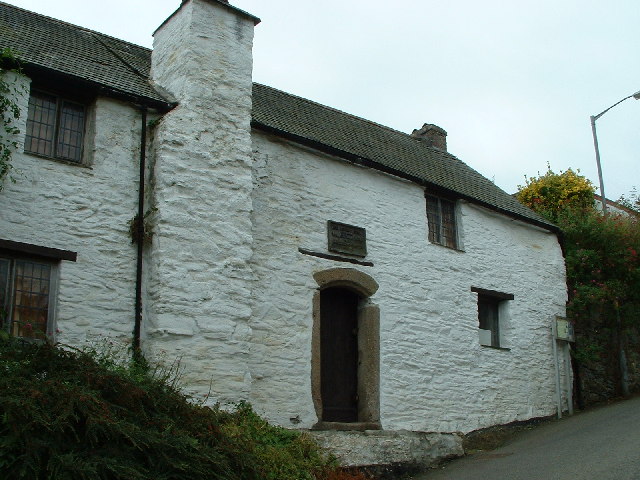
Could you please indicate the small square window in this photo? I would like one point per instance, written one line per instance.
(26, 297)
(491, 305)
(441, 216)
(55, 127)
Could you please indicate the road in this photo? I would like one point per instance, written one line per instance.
(599, 444)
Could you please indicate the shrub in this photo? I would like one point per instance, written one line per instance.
(602, 256)
(69, 415)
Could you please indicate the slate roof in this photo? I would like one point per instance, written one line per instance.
(122, 68)
(105, 62)
(380, 147)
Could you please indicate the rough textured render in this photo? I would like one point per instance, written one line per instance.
(199, 278)
(84, 208)
(435, 376)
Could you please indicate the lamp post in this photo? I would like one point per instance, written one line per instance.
(595, 145)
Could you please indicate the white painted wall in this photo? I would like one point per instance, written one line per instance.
(434, 374)
(85, 209)
(198, 275)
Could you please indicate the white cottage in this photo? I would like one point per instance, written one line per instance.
(337, 274)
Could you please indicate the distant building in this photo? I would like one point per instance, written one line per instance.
(613, 207)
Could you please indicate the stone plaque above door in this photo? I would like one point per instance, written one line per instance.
(348, 239)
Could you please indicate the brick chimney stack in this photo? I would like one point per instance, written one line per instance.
(432, 135)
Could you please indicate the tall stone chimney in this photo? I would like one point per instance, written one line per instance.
(198, 266)
(432, 135)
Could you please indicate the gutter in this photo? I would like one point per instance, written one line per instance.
(137, 352)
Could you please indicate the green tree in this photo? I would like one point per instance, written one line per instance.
(603, 277)
(631, 200)
(551, 193)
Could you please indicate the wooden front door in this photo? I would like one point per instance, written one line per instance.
(339, 355)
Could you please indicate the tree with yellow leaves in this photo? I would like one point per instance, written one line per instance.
(551, 193)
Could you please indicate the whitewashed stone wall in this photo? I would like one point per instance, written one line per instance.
(434, 374)
(198, 275)
(85, 209)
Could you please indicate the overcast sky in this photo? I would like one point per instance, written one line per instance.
(513, 82)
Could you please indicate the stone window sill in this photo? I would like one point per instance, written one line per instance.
(60, 160)
(453, 249)
(496, 348)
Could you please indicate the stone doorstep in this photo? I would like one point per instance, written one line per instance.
(387, 453)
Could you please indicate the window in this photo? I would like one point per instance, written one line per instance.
(55, 127)
(441, 217)
(491, 306)
(489, 320)
(26, 296)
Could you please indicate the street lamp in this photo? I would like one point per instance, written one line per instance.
(595, 145)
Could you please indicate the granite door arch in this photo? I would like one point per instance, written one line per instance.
(345, 364)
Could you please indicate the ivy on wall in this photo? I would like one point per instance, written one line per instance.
(9, 112)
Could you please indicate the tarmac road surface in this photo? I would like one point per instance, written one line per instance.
(599, 444)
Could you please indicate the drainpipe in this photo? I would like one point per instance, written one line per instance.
(554, 337)
(137, 352)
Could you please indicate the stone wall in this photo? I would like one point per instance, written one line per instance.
(597, 362)
(198, 276)
(406, 451)
(86, 209)
(435, 377)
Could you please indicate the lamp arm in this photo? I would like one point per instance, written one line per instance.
(595, 146)
(595, 117)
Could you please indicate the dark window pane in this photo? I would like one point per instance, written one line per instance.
(41, 121)
(442, 221)
(30, 299)
(448, 224)
(70, 131)
(488, 317)
(55, 127)
(433, 218)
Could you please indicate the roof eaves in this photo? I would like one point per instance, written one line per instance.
(162, 105)
(323, 147)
